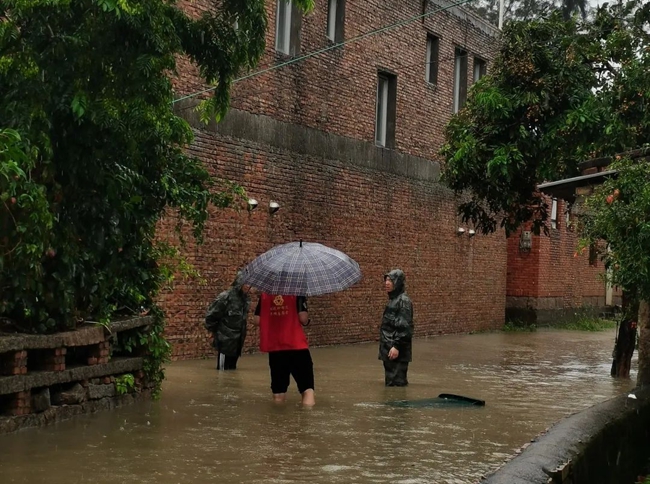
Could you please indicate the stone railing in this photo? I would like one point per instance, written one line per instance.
(608, 443)
(47, 378)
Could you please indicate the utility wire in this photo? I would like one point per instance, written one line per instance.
(351, 71)
(331, 47)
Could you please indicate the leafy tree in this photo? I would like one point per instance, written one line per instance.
(92, 154)
(517, 10)
(619, 212)
(560, 92)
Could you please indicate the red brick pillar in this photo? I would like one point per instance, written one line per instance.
(58, 360)
(99, 354)
(21, 404)
(13, 363)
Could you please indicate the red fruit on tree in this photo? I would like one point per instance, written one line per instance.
(610, 199)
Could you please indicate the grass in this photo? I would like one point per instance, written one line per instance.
(581, 320)
(585, 323)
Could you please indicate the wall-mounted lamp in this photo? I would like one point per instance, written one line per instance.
(252, 204)
(525, 241)
(273, 207)
(460, 231)
(472, 232)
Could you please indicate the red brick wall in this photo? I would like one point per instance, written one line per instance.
(380, 219)
(554, 275)
(336, 91)
(376, 205)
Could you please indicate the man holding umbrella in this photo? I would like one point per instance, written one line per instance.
(285, 275)
(280, 319)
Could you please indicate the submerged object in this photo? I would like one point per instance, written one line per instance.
(444, 400)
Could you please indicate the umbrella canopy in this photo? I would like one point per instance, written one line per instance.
(302, 269)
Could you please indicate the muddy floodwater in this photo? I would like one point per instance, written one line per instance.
(221, 427)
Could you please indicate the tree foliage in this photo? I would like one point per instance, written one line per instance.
(91, 152)
(560, 92)
(619, 212)
(517, 10)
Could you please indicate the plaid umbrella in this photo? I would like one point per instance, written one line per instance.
(302, 269)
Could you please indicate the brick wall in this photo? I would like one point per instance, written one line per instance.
(336, 91)
(303, 136)
(553, 276)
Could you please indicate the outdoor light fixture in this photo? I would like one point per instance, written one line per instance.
(273, 207)
(472, 232)
(460, 231)
(252, 204)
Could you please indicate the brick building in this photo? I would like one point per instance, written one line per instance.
(346, 143)
(547, 278)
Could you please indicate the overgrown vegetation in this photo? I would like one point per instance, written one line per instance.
(92, 154)
(125, 384)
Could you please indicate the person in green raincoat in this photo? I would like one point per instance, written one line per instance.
(396, 331)
(226, 319)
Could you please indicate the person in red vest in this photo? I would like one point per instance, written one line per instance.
(281, 319)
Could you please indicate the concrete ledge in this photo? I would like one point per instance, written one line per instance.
(299, 139)
(21, 383)
(65, 412)
(607, 443)
(86, 335)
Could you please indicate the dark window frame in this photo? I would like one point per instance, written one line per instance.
(389, 97)
(339, 21)
(294, 29)
(433, 59)
(460, 78)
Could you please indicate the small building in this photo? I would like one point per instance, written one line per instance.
(547, 278)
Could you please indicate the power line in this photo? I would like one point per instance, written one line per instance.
(348, 72)
(330, 47)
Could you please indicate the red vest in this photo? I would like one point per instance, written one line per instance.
(280, 328)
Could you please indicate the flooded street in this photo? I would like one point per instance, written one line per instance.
(222, 427)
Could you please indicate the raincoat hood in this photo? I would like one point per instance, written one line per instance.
(399, 282)
(239, 280)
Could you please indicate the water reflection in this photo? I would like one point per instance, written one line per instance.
(222, 426)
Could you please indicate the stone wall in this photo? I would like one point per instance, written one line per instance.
(48, 378)
(608, 443)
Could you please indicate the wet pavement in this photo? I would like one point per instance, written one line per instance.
(222, 427)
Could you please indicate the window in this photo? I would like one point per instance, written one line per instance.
(593, 255)
(480, 68)
(386, 101)
(554, 214)
(433, 48)
(460, 79)
(287, 28)
(336, 20)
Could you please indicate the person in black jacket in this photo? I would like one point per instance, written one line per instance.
(396, 332)
(226, 319)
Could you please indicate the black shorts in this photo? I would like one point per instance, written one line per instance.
(296, 363)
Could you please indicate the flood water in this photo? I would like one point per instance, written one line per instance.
(214, 426)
